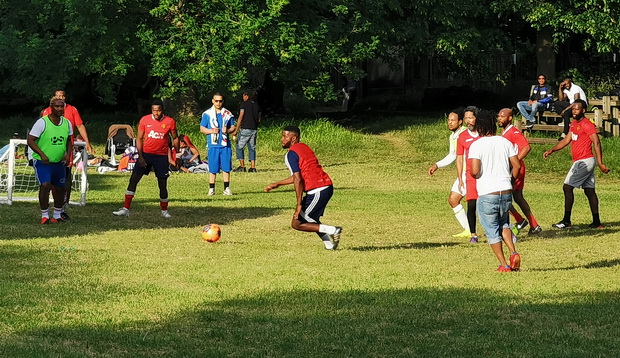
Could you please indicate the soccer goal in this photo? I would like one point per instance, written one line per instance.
(18, 181)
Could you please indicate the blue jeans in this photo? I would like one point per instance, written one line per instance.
(533, 109)
(493, 215)
(246, 137)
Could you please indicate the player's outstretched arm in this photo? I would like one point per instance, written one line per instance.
(561, 144)
(288, 181)
(598, 152)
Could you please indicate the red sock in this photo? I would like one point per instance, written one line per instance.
(163, 204)
(128, 199)
(517, 216)
(533, 222)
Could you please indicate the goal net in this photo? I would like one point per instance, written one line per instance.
(19, 183)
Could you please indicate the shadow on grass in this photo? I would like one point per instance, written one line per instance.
(592, 265)
(578, 230)
(405, 246)
(389, 323)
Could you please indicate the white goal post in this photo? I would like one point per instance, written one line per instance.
(18, 181)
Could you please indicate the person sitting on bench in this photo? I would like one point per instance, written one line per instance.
(568, 93)
(540, 99)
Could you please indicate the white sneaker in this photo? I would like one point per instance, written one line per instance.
(165, 214)
(121, 212)
(227, 191)
(336, 237)
(211, 192)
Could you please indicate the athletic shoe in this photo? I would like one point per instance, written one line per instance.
(503, 268)
(514, 230)
(336, 237)
(239, 169)
(58, 221)
(45, 221)
(473, 240)
(535, 230)
(65, 216)
(463, 234)
(252, 170)
(211, 192)
(227, 192)
(165, 214)
(520, 226)
(595, 226)
(515, 261)
(121, 212)
(562, 225)
(514, 238)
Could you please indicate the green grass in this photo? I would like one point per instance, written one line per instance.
(401, 286)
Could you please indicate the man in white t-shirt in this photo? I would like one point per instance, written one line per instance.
(492, 157)
(568, 93)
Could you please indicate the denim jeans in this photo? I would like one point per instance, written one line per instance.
(493, 215)
(246, 137)
(529, 112)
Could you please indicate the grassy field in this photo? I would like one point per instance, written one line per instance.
(400, 286)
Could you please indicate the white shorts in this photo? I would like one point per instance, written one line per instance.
(581, 174)
(456, 189)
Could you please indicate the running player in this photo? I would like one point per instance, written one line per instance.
(463, 163)
(154, 131)
(455, 124)
(308, 177)
(514, 135)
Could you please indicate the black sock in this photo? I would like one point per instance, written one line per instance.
(566, 217)
(211, 186)
(596, 219)
(226, 185)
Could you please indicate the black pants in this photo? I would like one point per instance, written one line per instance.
(559, 106)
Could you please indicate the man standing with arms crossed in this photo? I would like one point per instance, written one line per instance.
(308, 177)
(247, 127)
(50, 142)
(581, 136)
(71, 113)
(152, 142)
(455, 124)
(514, 135)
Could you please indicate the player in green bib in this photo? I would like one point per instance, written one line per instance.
(49, 141)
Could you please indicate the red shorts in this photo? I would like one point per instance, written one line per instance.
(520, 181)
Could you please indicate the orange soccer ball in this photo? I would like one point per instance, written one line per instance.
(211, 233)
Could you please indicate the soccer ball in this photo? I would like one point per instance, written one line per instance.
(211, 233)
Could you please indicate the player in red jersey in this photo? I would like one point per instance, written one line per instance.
(72, 114)
(514, 135)
(152, 142)
(581, 136)
(308, 177)
(466, 182)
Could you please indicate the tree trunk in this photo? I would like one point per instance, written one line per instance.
(545, 54)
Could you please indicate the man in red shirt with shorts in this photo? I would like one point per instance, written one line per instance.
(582, 134)
(514, 135)
(152, 142)
(466, 182)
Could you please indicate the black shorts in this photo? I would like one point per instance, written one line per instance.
(157, 163)
(314, 203)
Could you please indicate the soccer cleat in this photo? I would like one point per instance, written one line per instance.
(121, 212)
(252, 170)
(514, 230)
(562, 225)
(58, 220)
(227, 192)
(211, 192)
(45, 221)
(520, 226)
(515, 261)
(503, 268)
(65, 216)
(463, 234)
(595, 226)
(535, 230)
(239, 170)
(474, 239)
(165, 214)
(336, 237)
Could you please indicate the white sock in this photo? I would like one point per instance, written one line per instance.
(327, 242)
(57, 212)
(461, 216)
(45, 213)
(331, 230)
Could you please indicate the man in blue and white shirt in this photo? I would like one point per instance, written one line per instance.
(540, 99)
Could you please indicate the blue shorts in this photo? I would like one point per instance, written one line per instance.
(54, 173)
(314, 203)
(157, 163)
(219, 158)
(493, 215)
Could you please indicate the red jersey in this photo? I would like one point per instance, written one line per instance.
(71, 113)
(515, 137)
(581, 131)
(156, 134)
(311, 171)
(466, 139)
